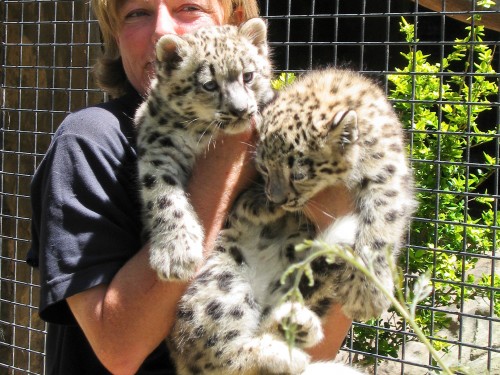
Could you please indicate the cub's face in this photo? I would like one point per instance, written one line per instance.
(302, 152)
(218, 74)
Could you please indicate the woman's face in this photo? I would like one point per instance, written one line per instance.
(143, 22)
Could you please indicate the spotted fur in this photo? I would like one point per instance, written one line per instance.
(330, 127)
(214, 80)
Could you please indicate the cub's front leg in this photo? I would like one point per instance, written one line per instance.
(176, 236)
(360, 298)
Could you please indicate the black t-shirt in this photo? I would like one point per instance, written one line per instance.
(86, 224)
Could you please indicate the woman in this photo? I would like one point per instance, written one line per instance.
(106, 310)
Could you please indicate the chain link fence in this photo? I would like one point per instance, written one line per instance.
(438, 61)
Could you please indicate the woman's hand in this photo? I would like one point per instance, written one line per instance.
(328, 205)
(219, 176)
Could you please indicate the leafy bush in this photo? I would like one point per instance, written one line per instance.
(440, 103)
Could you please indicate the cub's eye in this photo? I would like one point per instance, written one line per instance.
(262, 169)
(298, 176)
(248, 77)
(210, 86)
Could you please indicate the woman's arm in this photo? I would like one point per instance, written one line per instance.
(335, 328)
(127, 319)
(323, 209)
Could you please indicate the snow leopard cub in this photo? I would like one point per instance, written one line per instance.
(336, 126)
(329, 127)
(214, 80)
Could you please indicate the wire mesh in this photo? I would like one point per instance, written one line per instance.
(47, 51)
(48, 48)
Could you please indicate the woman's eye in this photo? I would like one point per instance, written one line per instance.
(191, 8)
(248, 77)
(136, 13)
(210, 86)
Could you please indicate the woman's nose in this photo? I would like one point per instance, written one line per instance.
(164, 23)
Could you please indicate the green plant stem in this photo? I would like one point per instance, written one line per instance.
(355, 261)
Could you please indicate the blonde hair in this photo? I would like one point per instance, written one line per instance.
(109, 72)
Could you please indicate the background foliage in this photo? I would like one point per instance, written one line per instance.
(434, 101)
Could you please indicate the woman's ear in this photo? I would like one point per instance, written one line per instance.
(238, 16)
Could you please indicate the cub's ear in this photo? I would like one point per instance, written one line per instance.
(170, 50)
(344, 127)
(255, 30)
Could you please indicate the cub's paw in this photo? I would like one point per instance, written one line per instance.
(361, 299)
(175, 260)
(275, 357)
(357, 310)
(255, 207)
(307, 325)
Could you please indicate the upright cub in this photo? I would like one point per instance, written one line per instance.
(214, 80)
(331, 127)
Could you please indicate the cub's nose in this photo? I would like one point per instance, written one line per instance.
(277, 200)
(237, 99)
(238, 111)
(238, 108)
(276, 195)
